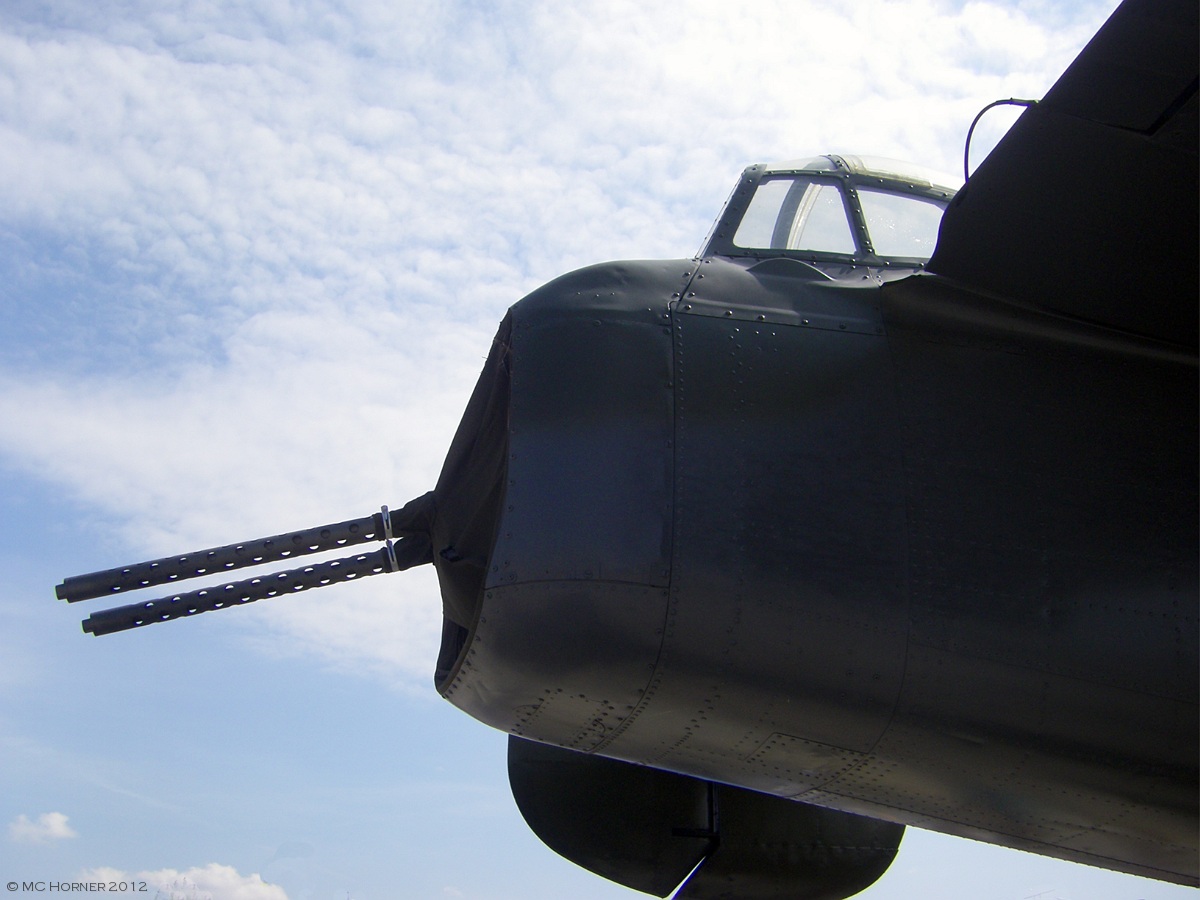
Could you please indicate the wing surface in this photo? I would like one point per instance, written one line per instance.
(1088, 206)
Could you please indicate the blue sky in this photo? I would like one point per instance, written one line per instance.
(251, 258)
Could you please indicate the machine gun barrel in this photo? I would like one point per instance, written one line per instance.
(237, 593)
(218, 559)
(407, 543)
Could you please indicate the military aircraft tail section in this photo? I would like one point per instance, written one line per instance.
(743, 548)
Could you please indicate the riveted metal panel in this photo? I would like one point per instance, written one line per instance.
(1052, 500)
(588, 493)
(783, 292)
(570, 618)
(565, 662)
(786, 628)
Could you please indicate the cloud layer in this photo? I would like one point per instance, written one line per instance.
(47, 827)
(211, 882)
(252, 255)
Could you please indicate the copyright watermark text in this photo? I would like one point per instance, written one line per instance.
(83, 887)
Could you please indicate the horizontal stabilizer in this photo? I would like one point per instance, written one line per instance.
(650, 830)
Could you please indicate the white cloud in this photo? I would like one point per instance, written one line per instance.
(253, 258)
(211, 882)
(45, 828)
